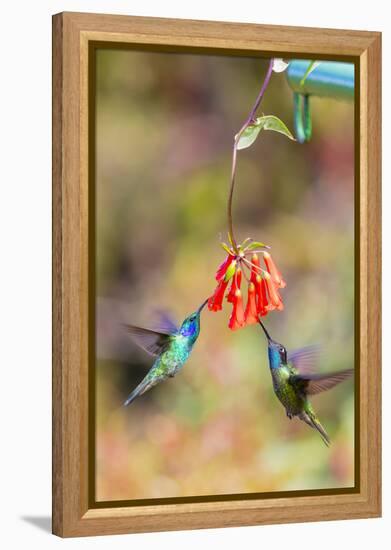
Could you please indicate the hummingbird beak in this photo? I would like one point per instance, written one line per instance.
(265, 331)
(202, 306)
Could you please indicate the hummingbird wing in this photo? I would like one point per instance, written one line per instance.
(152, 341)
(165, 323)
(304, 360)
(317, 383)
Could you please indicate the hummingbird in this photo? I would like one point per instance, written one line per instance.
(171, 346)
(294, 381)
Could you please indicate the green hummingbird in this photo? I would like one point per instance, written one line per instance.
(171, 346)
(294, 380)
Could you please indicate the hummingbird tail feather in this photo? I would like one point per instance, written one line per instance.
(311, 420)
(323, 434)
(139, 390)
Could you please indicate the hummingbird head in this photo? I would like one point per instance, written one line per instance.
(277, 352)
(191, 325)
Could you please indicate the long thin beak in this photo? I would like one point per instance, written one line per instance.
(202, 306)
(265, 331)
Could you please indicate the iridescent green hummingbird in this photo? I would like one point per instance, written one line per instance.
(294, 380)
(172, 347)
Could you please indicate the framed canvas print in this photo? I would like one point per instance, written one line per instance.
(216, 274)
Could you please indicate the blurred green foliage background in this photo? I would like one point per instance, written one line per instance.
(165, 125)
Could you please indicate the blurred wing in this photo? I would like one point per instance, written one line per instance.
(318, 383)
(151, 341)
(304, 359)
(165, 322)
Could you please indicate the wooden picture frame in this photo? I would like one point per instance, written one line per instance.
(73, 36)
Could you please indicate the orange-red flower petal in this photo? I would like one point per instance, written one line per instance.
(236, 284)
(262, 293)
(222, 269)
(255, 268)
(273, 271)
(275, 298)
(215, 302)
(251, 314)
(263, 306)
(237, 316)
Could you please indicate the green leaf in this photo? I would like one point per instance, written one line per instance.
(271, 122)
(256, 244)
(311, 67)
(230, 240)
(230, 271)
(226, 247)
(244, 243)
(267, 122)
(248, 136)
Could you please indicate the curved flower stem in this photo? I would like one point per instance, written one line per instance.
(246, 276)
(256, 251)
(230, 196)
(248, 121)
(261, 92)
(251, 265)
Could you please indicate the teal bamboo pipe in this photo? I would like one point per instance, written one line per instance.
(329, 79)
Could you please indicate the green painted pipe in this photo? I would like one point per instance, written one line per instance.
(329, 79)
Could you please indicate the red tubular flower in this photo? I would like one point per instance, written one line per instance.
(251, 313)
(263, 306)
(237, 316)
(220, 273)
(216, 300)
(255, 268)
(236, 283)
(263, 284)
(275, 298)
(273, 271)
